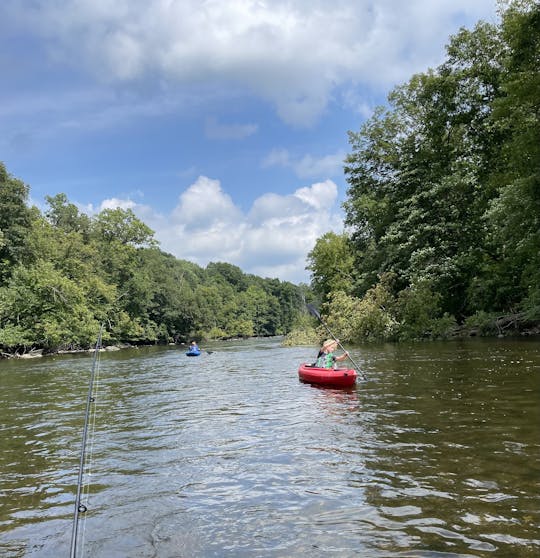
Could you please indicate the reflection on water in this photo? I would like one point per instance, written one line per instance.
(229, 454)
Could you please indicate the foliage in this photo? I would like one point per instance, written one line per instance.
(121, 225)
(367, 319)
(444, 193)
(65, 216)
(482, 323)
(14, 221)
(331, 264)
(419, 313)
(63, 273)
(304, 332)
(47, 307)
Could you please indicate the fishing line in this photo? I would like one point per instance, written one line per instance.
(90, 454)
(89, 424)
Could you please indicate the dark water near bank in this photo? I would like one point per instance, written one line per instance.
(227, 454)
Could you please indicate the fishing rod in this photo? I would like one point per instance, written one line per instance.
(79, 506)
(314, 312)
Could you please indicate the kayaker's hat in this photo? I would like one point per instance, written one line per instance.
(329, 343)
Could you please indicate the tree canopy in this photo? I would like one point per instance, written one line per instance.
(63, 274)
(443, 201)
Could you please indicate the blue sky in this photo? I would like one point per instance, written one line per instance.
(221, 123)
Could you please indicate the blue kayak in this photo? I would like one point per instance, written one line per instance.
(193, 353)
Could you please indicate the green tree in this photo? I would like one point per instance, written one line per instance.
(64, 274)
(122, 226)
(512, 270)
(419, 175)
(69, 250)
(45, 306)
(15, 220)
(227, 273)
(66, 216)
(331, 263)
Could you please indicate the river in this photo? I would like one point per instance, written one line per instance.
(437, 454)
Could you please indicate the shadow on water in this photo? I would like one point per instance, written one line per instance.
(228, 454)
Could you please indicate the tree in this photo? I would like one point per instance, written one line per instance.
(331, 263)
(66, 216)
(15, 219)
(513, 218)
(42, 305)
(69, 250)
(231, 274)
(418, 174)
(444, 183)
(65, 274)
(122, 226)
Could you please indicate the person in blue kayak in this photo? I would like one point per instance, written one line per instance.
(194, 348)
(326, 357)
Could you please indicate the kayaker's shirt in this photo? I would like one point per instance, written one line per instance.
(325, 360)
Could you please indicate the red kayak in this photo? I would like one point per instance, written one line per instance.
(338, 377)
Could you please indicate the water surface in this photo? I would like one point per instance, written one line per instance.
(227, 454)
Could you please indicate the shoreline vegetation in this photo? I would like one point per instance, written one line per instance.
(442, 212)
(63, 274)
(310, 337)
(506, 327)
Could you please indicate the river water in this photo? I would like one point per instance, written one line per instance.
(437, 454)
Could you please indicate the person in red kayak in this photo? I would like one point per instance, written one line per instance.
(326, 357)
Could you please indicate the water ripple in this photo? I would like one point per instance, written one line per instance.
(229, 455)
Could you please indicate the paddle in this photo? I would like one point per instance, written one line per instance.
(313, 311)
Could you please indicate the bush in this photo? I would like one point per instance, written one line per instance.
(213, 333)
(418, 310)
(301, 337)
(482, 323)
(366, 319)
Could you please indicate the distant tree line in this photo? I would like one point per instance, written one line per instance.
(443, 206)
(63, 274)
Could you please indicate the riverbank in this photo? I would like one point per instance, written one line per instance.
(31, 353)
(39, 353)
(500, 328)
(511, 326)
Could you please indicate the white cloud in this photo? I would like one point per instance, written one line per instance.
(204, 205)
(320, 195)
(271, 240)
(307, 166)
(292, 53)
(114, 203)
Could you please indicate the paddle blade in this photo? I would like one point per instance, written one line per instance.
(313, 311)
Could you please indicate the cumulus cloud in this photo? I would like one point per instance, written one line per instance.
(291, 53)
(272, 239)
(204, 205)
